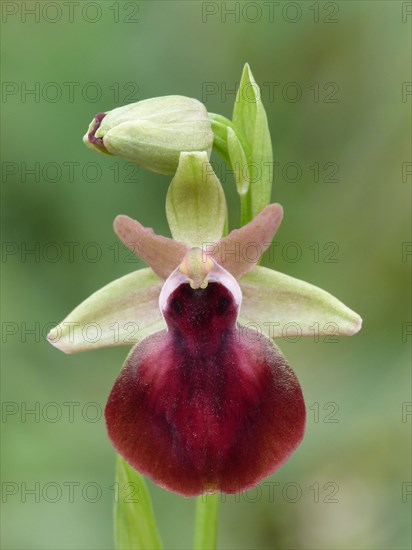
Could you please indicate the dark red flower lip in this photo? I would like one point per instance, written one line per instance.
(215, 274)
(203, 407)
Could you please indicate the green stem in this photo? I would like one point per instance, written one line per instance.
(245, 209)
(206, 522)
(220, 119)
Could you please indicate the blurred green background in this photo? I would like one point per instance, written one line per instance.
(332, 76)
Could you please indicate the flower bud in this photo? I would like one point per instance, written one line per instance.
(152, 133)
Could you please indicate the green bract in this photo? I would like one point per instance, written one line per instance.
(135, 525)
(249, 119)
(152, 133)
(244, 142)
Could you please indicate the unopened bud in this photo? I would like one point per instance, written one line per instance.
(152, 133)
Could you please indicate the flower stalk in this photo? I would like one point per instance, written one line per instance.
(207, 507)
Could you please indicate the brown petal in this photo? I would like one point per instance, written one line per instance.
(240, 251)
(162, 254)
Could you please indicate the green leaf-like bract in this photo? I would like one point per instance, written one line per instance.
(250, 122)
(135, 525)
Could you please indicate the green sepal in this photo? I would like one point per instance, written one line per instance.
(124, 312)
(278, 305)
(195, 203)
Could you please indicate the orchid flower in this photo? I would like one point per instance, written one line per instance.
(205, 401)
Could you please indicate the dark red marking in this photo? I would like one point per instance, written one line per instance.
(91, 136)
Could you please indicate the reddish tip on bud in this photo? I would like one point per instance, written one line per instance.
(94, 126)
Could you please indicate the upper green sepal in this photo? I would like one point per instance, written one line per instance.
(152, 133)
(195, 204)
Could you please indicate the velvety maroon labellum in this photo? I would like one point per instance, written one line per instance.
(207, 405)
